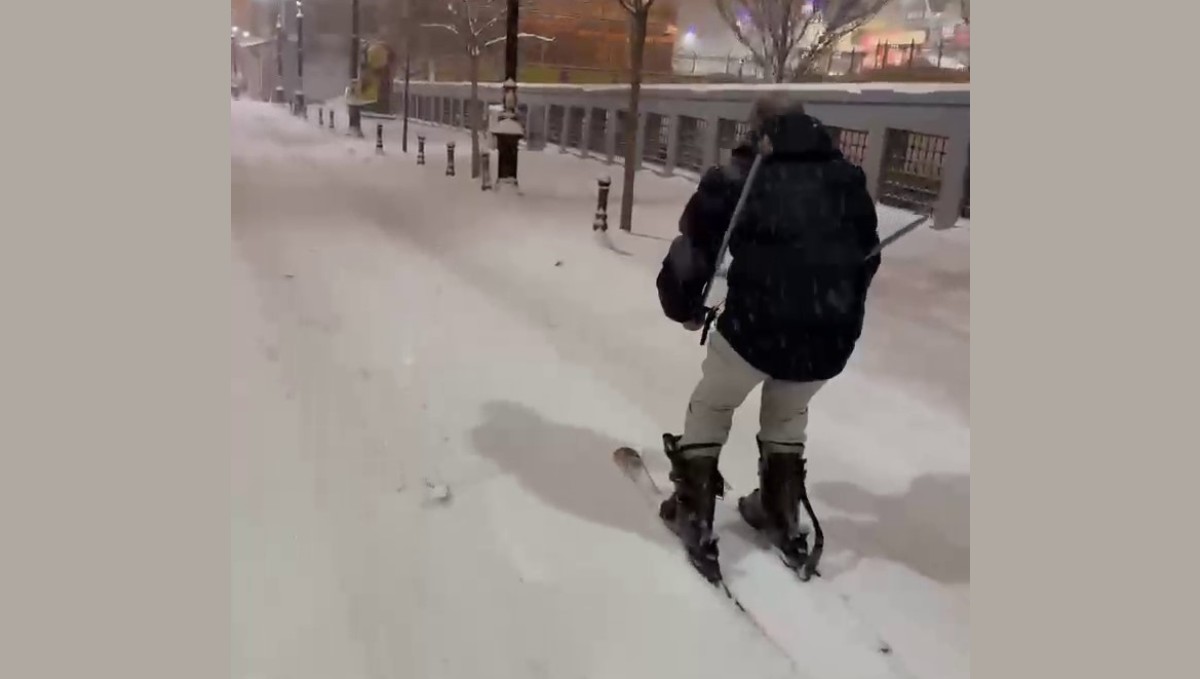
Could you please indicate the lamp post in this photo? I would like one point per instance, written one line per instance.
(408, 34)
(279, 96)
(300, 108)
(353, 109)
(233, 67)
(508, 130)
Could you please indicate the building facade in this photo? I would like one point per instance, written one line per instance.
(594, 34)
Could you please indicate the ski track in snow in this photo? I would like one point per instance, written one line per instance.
(395, 330)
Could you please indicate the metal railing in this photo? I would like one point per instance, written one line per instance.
(654, 148)
(554, 124)
(597, 128)
(852, 143)
(691, 143)
(575, 116)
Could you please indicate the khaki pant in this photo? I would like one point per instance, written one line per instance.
(725, 382)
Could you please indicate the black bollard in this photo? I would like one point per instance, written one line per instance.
(600, 223)
(450, 159)
(420, 150)
(379, 138)
(331, 112)
(321, 117)
(485, 171)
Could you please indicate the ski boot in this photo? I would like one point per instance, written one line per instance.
(689, 510)
(773, 508)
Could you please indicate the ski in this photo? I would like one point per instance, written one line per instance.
(631, 465)
(833, 609)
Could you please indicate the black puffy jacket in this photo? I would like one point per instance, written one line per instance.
(799, 278)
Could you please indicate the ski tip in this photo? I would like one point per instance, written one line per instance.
(628, 461)
(624, 455)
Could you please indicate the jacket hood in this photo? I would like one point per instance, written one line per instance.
(791, 135)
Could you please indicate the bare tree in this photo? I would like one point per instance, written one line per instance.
(785, 37)
(477, 25)
(639, 19)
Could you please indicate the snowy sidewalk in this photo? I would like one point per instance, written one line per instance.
(395, 327)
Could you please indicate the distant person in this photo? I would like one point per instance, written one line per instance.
(797, 290)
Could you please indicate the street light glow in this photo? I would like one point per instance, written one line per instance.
(689, 38)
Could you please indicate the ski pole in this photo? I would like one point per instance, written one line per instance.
(764, 149)
(907, 228)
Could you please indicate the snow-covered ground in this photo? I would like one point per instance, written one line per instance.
(429, 381)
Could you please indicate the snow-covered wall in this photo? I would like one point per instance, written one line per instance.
(911, 139)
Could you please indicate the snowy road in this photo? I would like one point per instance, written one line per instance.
(396, 332)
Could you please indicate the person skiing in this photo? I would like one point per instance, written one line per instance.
(797, 286)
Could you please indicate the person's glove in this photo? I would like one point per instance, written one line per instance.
(700, 320)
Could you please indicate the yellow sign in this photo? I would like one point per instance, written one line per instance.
(377, 56)
(369, 92)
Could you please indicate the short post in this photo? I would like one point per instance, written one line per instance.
(600, 223)
(450, 159)
(321, 117)
(912, 51)
(485, 170)
(420, 150)
(379, 138)
(331, 112)
(941, 46)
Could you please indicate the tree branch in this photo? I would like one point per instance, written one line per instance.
(727, 14)
(489, 23)
(502, 38)
(784, 36)
(448, 27)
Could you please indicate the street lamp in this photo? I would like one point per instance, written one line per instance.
(279, 95)
(508, 131)
(300, 108)
(408, 35)
(353, 109)
(689, 41)
(233, 68)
